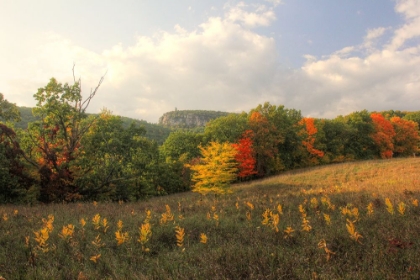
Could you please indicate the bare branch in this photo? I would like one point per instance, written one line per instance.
(85, 103)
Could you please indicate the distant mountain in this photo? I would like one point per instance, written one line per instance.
(189, 119)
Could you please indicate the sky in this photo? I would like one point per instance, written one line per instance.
(325, 58)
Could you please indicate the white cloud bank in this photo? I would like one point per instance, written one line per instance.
(383, 77)
(226, 65)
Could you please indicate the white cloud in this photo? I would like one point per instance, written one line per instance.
(385, 77)
(259, 16)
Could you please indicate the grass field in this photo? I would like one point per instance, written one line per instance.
(346, 221)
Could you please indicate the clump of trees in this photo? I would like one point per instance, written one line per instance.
(68, 155)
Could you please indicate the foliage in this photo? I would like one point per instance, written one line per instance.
(406, 139)
(8, 111)
(265, 141)
(226, 128)
(181, 145)
(245, 155)
(383, 135)
(14, 180)
(216, 169)
(53, 142)
(310, 131)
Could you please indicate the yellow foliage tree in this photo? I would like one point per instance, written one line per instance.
(216, 170)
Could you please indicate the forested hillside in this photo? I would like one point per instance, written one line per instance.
(66, 154)
(154, 132)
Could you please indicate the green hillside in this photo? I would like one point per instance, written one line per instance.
(154, 132)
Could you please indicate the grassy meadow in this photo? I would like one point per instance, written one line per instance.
(346, 221)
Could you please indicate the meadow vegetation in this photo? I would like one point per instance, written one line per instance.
(356, 220)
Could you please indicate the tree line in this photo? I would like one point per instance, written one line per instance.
(68, 155)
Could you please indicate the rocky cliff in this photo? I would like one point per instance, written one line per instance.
(189, 118)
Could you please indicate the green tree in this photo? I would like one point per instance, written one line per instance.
(226, 129)
(112, 158)
(181, 145)
(359, 142)
(216, 169)
(14, 180)
(8, 111)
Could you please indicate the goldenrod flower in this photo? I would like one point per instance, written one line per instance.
(121, 237)
(145, 234)
(323, 245)
(401, 208)
(352, 231)
(96, 220)
(97, 242)
(289, 232)
(180, 233)
(67, 232)
(305, 225)
(327, 219)
(389, 206)
(279, 209)
(95, 258)
(120, 225)
(250, 205)
(203, 238)
(266, 217)
(82, 222)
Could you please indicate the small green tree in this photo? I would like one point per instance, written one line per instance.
(216, 170)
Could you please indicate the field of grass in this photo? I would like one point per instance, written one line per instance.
(346, 221)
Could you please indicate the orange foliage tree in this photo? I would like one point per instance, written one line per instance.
(311, 133)
(383, 135)
(406, 139)
(244, 155)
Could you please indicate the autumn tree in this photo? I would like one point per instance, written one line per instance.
(406, 139)
(53, 142)
(216, 169)
(265, 141)
(310, 136)
(383, 135)
(245, 155)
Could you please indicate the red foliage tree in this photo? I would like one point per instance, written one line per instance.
(383, 135)
(245, 155)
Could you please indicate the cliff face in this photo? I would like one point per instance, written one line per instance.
(189, 118)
